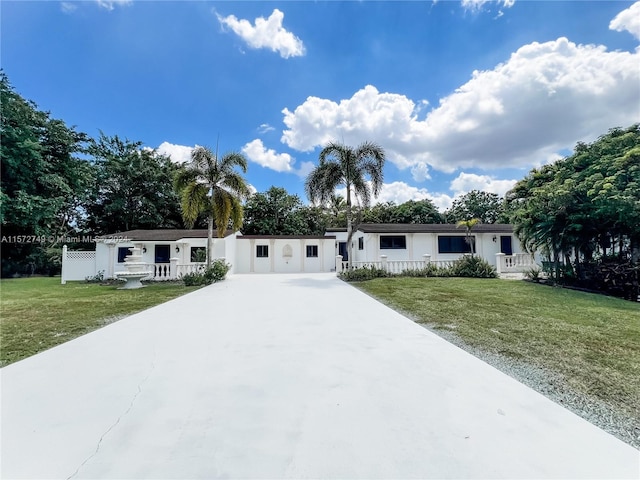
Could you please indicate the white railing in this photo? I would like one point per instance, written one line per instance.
(391, 266)
(517, 263)
(160, 271)
(182, 270)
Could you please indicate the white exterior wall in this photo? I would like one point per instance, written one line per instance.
(278, 262)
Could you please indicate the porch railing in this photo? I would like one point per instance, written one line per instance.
(516, 263)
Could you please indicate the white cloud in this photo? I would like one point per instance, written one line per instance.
(420, 172)
(544, 99)
(477, 5)
(465, 182)
(111, 4)
(68, 7)
(266, 33)
(628, 20)
(264, 128)
(400, 192)
(256, 152)
(178, 153)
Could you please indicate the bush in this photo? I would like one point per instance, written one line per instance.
(430, 270)
(216, 272)
(364, 273)
(97, 278)
(473, 267)
(534, 274)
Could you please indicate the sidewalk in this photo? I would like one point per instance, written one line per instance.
(284, 376)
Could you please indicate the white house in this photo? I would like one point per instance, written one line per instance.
(169, 254)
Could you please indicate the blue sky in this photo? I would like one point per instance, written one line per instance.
(462, 95)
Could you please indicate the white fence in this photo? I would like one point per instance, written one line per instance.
(77, 265)
(505, 264)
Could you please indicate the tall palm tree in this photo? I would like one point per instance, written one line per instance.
(340, 165)
(211, 185)
(468, 225)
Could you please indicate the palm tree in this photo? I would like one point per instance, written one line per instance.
(468, 225)
(211, 185)
(343, 165)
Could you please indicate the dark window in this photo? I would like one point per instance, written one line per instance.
(198, 254)
(361, 243)
(343, 251)
(388, 242)
(312, 250)
(262, 251)
(163, 254)
(505, 245)
(123, 252)
(454, 244)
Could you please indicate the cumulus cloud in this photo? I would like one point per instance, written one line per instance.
(266, 33)
(465, 182)
(420, 172)
(111, 4)
(544, 99)
(177, 153)
(267, 157)
(628, 20)
(400, 192)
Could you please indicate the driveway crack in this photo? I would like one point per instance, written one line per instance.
(116, 422)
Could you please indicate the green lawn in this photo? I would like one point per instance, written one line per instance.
(39, 313)
(592, 341)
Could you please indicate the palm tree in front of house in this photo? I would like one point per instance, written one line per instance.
(468, 225)
(211, 185)
(358, 169)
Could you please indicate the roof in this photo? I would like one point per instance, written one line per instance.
(160, 235)
(287, 237)
(432, 228)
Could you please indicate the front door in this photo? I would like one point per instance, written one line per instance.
(342, 250)
(162, 254)
(505, 245)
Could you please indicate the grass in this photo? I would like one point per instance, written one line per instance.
(39, 313)
(591, 341)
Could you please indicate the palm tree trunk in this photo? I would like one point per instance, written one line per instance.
(210, 241)
(349, 227)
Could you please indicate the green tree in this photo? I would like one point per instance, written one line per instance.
(420, 211)
(274, 212)
(210, 184)
(130, 190)
(488, 207)
(43, 185)
(341, 165)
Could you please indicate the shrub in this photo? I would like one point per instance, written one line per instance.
(430, 270)
(97, 278)
(534, 274)
(474, 267)
(216, 272)
(364, 273)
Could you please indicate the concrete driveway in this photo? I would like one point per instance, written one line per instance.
(284, 376)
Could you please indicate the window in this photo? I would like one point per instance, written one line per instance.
(163, 254)
(388, 242)
(454, 244)
(312, 250)
(505, 245)
(262, 251)
(123, 252)
(198, 254)
(361, 243)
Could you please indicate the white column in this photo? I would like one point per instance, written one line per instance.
(63, 280)
(112, 260)
(499, 262)
(338, 264)
(173, 271)
(384, 262)
(426, 258)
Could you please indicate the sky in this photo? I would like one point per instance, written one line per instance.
(461, 95)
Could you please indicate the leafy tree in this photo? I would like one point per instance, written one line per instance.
(338, 211)
(343, 165)
(488, 207)
(130, 190)
(378, 213)
(584, 206)
(212, 185)
(274, 212)
(43, 185)
(421, 211)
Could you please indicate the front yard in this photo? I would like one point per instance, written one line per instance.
(38, 313)
(577, 344)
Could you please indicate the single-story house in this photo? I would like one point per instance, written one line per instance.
(171, 253)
